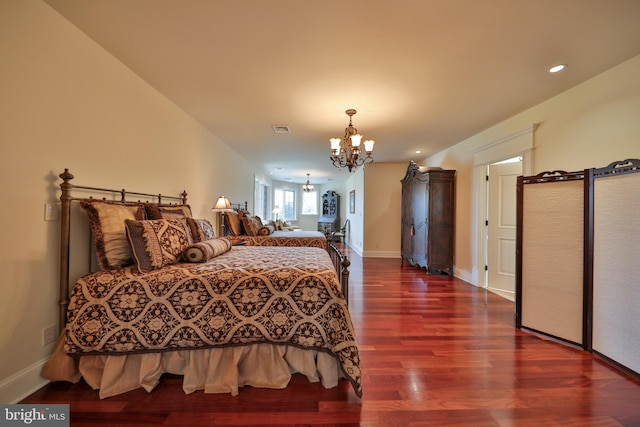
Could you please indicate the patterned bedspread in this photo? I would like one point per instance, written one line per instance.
(251, 294)
(314, 239)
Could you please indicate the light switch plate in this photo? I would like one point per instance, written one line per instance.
(51, 212)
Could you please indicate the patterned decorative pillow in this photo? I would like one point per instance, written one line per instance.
(154, 211)
(157, 243)
(234, 223)
(201, 229)
(107, 221)
(204, 251)
(266, 230)
(250, 225)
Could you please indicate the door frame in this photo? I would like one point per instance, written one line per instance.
(519, 143)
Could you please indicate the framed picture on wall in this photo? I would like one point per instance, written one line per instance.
(352, 201)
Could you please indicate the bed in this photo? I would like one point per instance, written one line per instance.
(234, 315)
(241, 226)
(313, 239)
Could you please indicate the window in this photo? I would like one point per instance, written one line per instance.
(286, 201)
(309, 203)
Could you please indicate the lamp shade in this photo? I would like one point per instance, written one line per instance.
(222, 205)
(368, 145)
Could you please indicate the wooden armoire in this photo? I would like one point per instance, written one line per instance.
(428, 215)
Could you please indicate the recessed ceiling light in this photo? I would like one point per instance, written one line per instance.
(557, 68)
(418, 151)
(281, 128)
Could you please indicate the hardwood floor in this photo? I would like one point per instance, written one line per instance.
(435, 351)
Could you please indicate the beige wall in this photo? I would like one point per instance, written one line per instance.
(382, 207)
(67, 103)
(356, 235)
(590, 125)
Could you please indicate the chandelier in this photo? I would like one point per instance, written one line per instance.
(307, 186)
(346, 152)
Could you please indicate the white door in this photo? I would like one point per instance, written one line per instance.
(501, 227)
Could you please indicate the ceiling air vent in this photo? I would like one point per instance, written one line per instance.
(281, 129)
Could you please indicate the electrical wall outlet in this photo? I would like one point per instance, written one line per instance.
(49, 335)
(51, 211)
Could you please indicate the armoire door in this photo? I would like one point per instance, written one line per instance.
(420, 223)
(440, 220)
(407, 222)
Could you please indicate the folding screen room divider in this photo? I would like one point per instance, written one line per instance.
(613, 206)
(550, 249)
(578, 259)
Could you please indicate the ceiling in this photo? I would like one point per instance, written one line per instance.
(422, 74)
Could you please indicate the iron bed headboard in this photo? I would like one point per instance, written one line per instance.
(66, 199)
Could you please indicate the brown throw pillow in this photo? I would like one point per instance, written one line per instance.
(204, 251)
(233, 223)
(250, 226)
(107, 221)
(266, 230)
(154, 211)
(201, 229)
(157, 243)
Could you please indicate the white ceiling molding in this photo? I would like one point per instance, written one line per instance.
(509, 146)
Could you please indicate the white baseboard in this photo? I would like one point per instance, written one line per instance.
(464, 275)
(355, 249)
(381, 254)
(23, 383)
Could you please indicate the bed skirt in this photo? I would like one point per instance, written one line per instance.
(214, 370)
